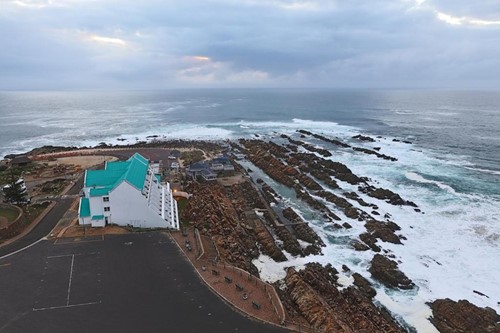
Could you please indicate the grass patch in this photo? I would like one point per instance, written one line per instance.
(9, 213)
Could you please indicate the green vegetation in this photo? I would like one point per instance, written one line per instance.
(25, 169)
(181, 207)
(16, 192)
(9, 213)
(54, 186)
(31, 212)
(192, 156)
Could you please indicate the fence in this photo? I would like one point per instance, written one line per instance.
(269, 289)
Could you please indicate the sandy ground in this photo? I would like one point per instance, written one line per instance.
(80, 231)
(84, 162)
(229, 181)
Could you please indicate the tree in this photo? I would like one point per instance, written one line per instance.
(15, 192)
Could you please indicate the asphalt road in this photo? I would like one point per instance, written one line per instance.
(48, 223)
(124, 283)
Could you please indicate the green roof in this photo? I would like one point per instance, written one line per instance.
(84, 207)
(133, 171)
(99, 192)
(97, 217)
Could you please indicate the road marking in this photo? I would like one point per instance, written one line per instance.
(24, 248)
(70, 278)
(63, 241)
(5, 265)
(73, 254)
(66, 306)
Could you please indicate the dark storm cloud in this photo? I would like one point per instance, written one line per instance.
(161, 44)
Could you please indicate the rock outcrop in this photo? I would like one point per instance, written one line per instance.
(463, 317)
(386, 271)
(313, 293)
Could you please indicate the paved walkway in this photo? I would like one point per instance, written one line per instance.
(243, 290)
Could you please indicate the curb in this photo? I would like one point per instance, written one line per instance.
(32, 226)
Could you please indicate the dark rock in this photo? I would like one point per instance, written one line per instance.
(386, 271)
(386, 195)
(363, 138)
(460, 317)
(370, 240)
(383, 231)
(313, 293)
(358, 246)
(364, 285)
(480, 293)
(372, 152)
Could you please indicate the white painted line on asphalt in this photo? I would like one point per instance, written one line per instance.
(66, 306)
(70, 278)
(73, 254)
(24, 248)
(61, 256)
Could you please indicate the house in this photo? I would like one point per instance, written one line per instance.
(20, 160)
(201, 169)
(127, 193)
(174, 154)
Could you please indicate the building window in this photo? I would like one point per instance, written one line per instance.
(105, 199)
(106, 209)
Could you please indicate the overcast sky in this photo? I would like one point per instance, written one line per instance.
(157, 44)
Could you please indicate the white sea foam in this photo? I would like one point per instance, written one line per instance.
(420, 179)
(491, 172)
(450, 251)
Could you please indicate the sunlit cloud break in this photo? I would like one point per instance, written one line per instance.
(454, 20)
(108, 40)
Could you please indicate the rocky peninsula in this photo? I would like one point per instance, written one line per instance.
(247, 217)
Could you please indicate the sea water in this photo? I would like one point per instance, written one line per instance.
(451, 169)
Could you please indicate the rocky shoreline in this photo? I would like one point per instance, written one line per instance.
(249, 218)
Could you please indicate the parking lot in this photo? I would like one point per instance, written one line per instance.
(118, 283)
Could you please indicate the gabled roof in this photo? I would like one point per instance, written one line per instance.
(133, 171)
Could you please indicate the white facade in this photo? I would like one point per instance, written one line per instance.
(126, 205)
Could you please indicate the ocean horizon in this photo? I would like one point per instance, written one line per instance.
(447, 145)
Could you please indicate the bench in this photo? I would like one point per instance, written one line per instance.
(256, 305)
(238, 287)
(228, 279)
(214, 272)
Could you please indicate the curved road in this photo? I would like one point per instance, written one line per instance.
(45, 226)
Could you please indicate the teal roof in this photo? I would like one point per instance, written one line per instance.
(158, 177)
(84, 207)
(103, 181)
(97, 217)
(99, 192)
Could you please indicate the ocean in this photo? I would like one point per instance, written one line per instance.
(451, 169)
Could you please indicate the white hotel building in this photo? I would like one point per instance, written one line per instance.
(127, 193)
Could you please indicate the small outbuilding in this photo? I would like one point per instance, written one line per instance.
(21, 160)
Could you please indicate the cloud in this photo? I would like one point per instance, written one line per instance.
(80, 44)
(108, 40)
